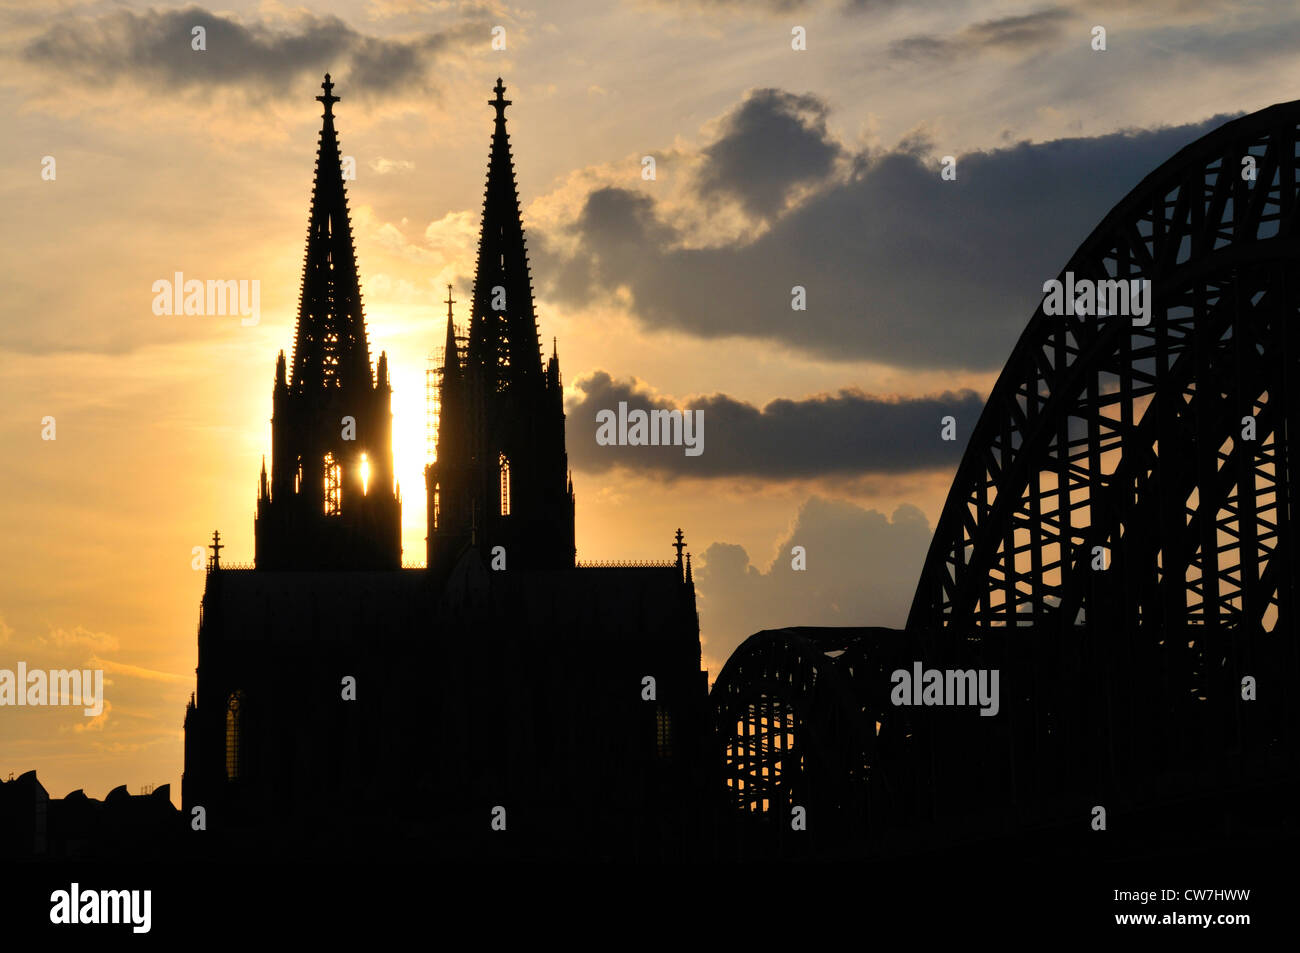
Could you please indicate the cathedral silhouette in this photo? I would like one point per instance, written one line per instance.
(504, 701)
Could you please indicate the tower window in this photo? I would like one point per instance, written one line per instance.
(504, 463)
(234, 735)
(333, 479)
(437, 505)
(663, 733)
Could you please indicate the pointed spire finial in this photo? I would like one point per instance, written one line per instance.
(500, 103)
(329, 99)
(451, 354)
(679, 546)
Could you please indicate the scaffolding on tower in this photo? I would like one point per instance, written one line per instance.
(433, 371)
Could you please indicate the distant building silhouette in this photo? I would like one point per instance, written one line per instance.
(340, 694)
(35, 826)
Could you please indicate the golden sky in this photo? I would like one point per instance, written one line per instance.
(775, 167)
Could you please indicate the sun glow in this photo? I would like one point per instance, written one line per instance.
(409, 450)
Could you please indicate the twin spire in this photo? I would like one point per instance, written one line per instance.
(331, 502)
(501, 474)
(501, 477)
(331, 349)
(330, 346)
(503, 327)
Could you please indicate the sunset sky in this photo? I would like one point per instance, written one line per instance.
(775, 167)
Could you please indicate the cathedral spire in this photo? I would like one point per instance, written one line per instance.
(499, 476)
(330, 346)
(451, 413)
(503, 326)
(331, 500)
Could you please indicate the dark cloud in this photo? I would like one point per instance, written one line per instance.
(850, 433)
(1023, 31)
(1024, 34)
(154, 49)
(751, 6)
(899, 266)
(1173, 9)
(1251, 46)
(875, 6)
(919, 47)
(792, 6)
(862, 568)
(771, 143)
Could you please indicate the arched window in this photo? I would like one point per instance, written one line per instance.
(504, 463)
(234, 735)
(333, 479)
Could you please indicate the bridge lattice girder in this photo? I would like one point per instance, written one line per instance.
(1101, 433)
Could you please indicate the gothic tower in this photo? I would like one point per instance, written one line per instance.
(501, 477)
(331, 502)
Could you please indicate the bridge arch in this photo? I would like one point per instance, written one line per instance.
(1109, 443)
(798, 716)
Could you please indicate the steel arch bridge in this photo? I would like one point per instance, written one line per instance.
(1118, 539)
(797, 731)
(1101, 433)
